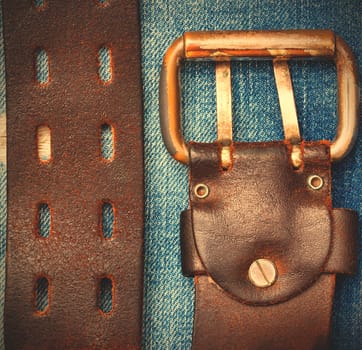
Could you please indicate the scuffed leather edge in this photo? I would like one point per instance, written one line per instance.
(343, 257)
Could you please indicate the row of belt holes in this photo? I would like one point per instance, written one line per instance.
(105, 75)
(104, 66)
(40, 4)
(43, 140)
(44, 135)
(108, 220)
(104, 300)
(105, 297)
(44, 143)
(44, 154)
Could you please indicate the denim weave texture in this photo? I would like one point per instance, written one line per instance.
(42, 66)
(104, 70)
(168, 303)
(168, 296)
(44, 220)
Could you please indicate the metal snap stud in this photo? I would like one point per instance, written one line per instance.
(201, 191)
(315, 182)
(262, 273)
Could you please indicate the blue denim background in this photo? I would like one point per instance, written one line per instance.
(168, 304)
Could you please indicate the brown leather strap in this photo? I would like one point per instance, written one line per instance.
(75, 183)
(343, 255)
(262, 208)
(300, 323)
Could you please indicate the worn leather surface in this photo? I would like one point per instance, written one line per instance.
(301, 323)
(342, 257)
(264, 208)
(74, 105)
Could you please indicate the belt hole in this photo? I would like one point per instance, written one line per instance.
(44, 220)
(106, 292)
(103, 3)
(44, 143)
(105, 65)
(42, 295)
(42, 67)
(107, 142)
(39, 4)
(107, 220)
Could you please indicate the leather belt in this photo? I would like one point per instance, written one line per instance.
(75, 175)
(261, 238)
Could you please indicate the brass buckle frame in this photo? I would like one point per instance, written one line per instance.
(280, 46)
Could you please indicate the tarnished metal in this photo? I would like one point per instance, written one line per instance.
(315, 182)
(169, 101)
(262, 273)
(286, 101)
(348, 100)
(245, 44)
(201, 191)
(276, 45)
(224, 111)
(288, 109)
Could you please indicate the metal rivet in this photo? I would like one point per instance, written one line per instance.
(315, 182)
(201, 191)
(262, 273)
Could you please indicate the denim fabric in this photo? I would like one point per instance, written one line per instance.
(107, 220)
(168, 303)
(38, 3)
(42, 297)
(105, 297)
(104, 71)
(42, 66)
(44, 220)
(107, 142)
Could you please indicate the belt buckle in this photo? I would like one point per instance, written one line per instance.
(262, 240)
(279, 46)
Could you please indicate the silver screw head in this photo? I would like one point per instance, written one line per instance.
(262, 273)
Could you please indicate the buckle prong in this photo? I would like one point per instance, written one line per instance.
(286, 100)
(288, 109)
(224, 111)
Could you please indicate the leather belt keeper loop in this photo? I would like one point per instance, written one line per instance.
(264, 209)
(342, 257)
